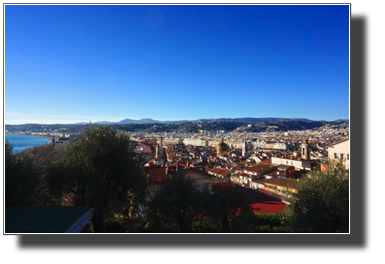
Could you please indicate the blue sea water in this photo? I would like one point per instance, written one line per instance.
(21, 143)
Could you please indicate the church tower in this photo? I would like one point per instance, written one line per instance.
(161, 148)
(157, 151)
(305, 150)
(221, 147)
(245, 149)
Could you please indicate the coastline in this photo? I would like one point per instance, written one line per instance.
(35, 136)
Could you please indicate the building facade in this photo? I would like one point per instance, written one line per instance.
(340, 151)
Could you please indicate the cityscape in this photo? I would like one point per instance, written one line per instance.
(177, 119)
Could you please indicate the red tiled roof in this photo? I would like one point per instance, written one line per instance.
(266, 161)
(175, 164)
(276, 173)
(198, 170)
(258, 168)
(291, 183)
(224, 172)
(158, 174)
(236, 175)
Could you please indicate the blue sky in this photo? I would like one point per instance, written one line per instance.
(80, 63)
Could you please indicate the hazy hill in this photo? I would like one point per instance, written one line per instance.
(241, 119)
(254, 120)
(141, 121)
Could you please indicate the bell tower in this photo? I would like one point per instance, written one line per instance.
(157, 151)
(161, 148)
(245, 149)
(305, 150)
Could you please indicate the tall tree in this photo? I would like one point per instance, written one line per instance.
(45, 155)
(226, 203)
(22, 179)
(322, 202)
(99, 170)
(177, 202)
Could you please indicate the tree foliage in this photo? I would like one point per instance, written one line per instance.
(259, 223)
(176, 205)
(100, 171)
(22, 179)
(43, 156)
(322, 202)
(180, 207)
(226, 203)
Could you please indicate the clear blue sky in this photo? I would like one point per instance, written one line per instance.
(66, 64)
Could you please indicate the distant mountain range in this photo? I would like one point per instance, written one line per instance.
(242, 119)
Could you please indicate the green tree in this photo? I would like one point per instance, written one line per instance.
(45, 155)
(177, 203)
(100, 171)
(22, 179)
(226, 203)
(259, 223)
(322, 202)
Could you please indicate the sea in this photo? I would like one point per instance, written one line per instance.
(21, 143)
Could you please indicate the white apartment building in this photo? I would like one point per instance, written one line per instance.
(280, 145)
(340, 150)
(298, 163)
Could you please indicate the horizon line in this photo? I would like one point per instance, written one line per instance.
(168, 120)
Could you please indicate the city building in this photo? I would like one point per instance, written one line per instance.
(221, 148)
(245, 149)
(297, 162)
(340, 151)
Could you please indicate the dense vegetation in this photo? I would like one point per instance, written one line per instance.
(322, 202)
(22, 179)
(98, 171)
(321, 206)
